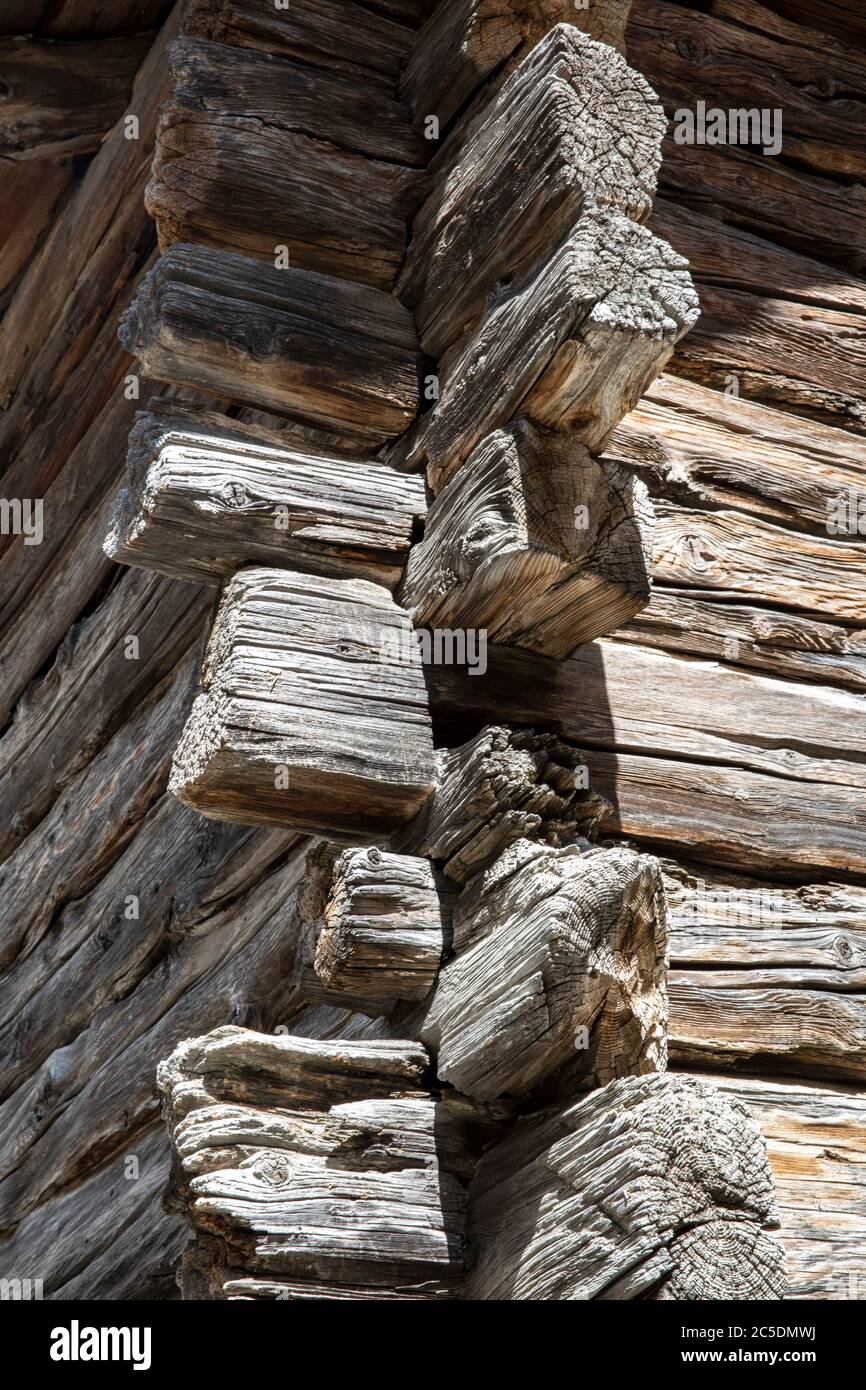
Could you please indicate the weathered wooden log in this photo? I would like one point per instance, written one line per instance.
(535, 542)
(312, 1169)
(740, 65)
(573, 347)
(691, 777)
(559, 979)
(261, 155)
(205, 496)
(703, 449)
(782, 644)
(326, 351)
(814, 1138)
(767, 976)
(368, 45)
(573, 127)
(503, 785)
(655, 1187)
(384, 929)
(466, 41)
(60, 99)
(303, 718)
(729, 552)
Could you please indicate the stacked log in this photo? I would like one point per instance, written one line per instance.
(492, 962)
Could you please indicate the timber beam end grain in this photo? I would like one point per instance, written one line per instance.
(305, 717)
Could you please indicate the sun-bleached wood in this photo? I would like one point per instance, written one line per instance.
(653, 1187)
(502, 785)
(573, 127)
(535, 542)
(572, 347)
(205, 495)
(464, 42)
(302, 720)
(702, 448)
(384, 929)
(312, 1169)
(814, 1138)
(295, 342)
(558, 983)
(255, 152)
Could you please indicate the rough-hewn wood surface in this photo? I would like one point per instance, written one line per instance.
(571, 347)
(573, 127)
(257, 153)
(652, 1187)
(308, 715)
(814, 1137)
(535, 542)
(205, 496)
(329, 352)
(313, 1169)
(503, 785)
(216, 901)
(558, 983)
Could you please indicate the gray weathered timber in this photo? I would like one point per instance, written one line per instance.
(762, 639)
(384, 929)
(535, 542)
(558, 983)
(727, 552)
(572, 347)
(464, 42)
(305, 717)
(311, 1169)
(295, 342)
(702, 448)
(129, 645)
(205, 496)
(503, 785)
(740, 62)
(788, 788)
(60, 99)
(368, 45)
(654, 1187)
(256, 153)
(573, 127)
(814, 1137)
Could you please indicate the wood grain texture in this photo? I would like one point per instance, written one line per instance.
(735, 67)
(573, 127)
(573, 347)
(534, 541)
(788, 792)
(384, 929)
(558, 983)
(205, 496)
(760, 639)
(311, 1169)
(368, 45)
(465, 42)
(503, 785)
(814, 1138)
(303, 719)
(705, 449)
(255, 152)
(654, 1187)
(292, 341)
(60, 99)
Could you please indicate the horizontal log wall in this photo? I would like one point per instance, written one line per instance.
(724, 724)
